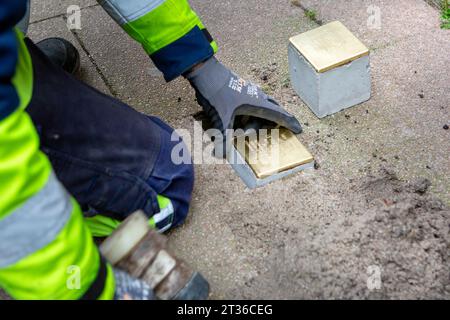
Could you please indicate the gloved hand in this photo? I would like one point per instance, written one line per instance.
(129, 288)
(224, 96)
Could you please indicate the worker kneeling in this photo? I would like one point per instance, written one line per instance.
(75, 162)
(114, 161)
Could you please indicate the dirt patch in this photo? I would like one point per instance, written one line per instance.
(398, 238)
(398, 234)
(270, 78)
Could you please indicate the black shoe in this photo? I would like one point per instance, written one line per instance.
(62, 53)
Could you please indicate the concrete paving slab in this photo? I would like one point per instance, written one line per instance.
(399, 19)
(350, 146)
(125, 64)
(313, 235)
(130, 72)
(56, 27)
(415, 83)
(41, 10)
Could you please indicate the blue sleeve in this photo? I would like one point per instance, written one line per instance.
(182, 54)
(10, 14)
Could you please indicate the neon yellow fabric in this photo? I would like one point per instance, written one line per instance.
(213, 44)
(24, 170)
(165, 24)
(23, 78)
(50, 273)
(163, 202)
(108, 291)
(102, 226)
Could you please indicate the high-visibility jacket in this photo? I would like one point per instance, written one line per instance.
(169, 31)
(46, 250)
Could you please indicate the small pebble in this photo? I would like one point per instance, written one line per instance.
(446, 127)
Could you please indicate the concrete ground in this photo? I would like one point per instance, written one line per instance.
(375, 205)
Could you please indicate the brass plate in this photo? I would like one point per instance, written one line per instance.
(268, 157)
(329, 46)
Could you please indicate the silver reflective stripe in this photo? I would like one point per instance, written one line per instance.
(124, 11)
(35, 224)
(163, 215)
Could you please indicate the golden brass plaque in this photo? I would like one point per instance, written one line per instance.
(277, 151)
(329, 46)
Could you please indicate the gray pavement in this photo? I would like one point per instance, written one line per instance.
(252, 243)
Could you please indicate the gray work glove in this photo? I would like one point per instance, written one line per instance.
(129, 288)
(224, 96)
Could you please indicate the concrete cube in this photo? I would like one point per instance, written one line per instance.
(329, 69)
